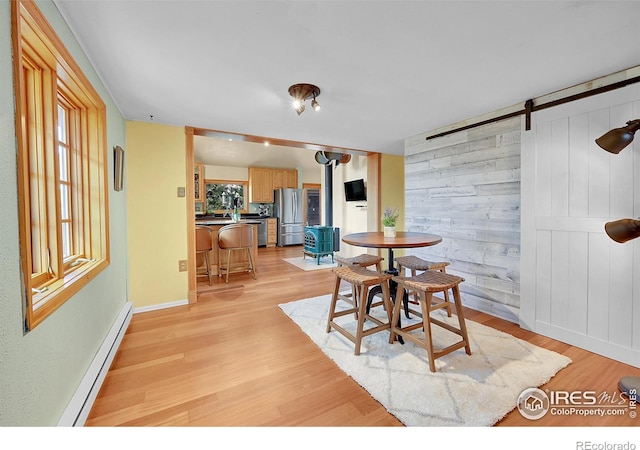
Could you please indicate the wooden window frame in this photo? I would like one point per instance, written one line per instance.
(245, 200)
(45, 76)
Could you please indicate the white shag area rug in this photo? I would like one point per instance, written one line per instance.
(311, 263)
(476, 390)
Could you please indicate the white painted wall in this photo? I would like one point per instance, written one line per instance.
(226, 173)
(578, 285)
(350, 217)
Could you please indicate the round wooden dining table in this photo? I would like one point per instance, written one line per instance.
(402, 239)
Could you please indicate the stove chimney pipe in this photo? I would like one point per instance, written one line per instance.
(328, 195)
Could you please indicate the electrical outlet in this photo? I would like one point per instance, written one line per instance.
(182, 265)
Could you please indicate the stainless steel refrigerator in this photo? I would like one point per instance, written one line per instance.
(290, 211)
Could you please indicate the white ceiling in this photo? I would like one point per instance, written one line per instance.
(387, 70)
(222, 152)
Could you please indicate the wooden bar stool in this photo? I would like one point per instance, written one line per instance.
(363, 260)
(361, 280)
(415, 263)
(426, 284)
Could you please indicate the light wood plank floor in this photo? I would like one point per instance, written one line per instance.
(234, 359)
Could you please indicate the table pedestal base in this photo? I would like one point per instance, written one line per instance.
(393, 289)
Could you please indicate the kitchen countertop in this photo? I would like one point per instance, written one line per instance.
(221, 217)
(222, 221)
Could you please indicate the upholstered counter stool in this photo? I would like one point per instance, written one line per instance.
(363, 260)
(236, 236)
(204, 245)
(426, 284)
(414, 264)
(361, 280)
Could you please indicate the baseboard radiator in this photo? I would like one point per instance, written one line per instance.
(80, 405)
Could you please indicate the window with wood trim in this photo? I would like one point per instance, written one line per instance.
(221, 195)
(62, 168)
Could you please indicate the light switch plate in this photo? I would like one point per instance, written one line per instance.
(181, 191)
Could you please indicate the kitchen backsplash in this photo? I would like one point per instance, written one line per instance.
(256, 208)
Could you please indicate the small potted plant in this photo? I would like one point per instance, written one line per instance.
(389, 218)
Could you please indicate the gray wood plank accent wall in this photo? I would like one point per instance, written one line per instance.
(465, 187)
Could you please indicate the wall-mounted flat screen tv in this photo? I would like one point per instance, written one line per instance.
(355, 191)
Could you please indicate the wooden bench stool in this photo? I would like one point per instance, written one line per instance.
(426, 284)
(363, 260)
(415, 263)
(361, 281)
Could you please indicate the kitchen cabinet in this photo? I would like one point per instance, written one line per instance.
(285, 178)
(272, 232)
(292, 179)
(263, 180)
(260, 185)
(198, 182)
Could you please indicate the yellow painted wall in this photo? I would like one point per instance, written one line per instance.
(392, 186)
(392, 192)
(157, 217)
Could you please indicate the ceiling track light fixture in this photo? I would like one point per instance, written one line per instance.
(614, 141)
(304, 91)
(622, 230)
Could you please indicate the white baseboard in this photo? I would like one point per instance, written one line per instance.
(161, 306)
(627, 355)
(77, 411)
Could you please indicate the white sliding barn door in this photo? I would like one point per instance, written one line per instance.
(578, 285)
